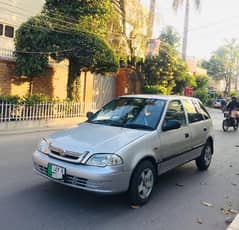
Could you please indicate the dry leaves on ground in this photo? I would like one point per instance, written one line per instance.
(199, 221)
(207, 204)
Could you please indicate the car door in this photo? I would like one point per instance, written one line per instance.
(198, 125)
(174, 144)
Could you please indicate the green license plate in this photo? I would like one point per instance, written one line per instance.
(55, 171)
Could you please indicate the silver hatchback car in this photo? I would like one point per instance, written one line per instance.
(127, 143)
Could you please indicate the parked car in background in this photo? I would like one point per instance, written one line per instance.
(219, 103)
(125, 145)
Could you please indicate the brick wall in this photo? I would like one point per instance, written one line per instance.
(6, 68)
(53, 83)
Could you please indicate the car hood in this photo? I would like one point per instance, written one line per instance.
(95, 138)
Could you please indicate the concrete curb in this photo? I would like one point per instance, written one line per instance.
(22, 127)
(235, 224)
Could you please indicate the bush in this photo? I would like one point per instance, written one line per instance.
(202, 95)
(155, 89)
(36, 99)
(10, 99)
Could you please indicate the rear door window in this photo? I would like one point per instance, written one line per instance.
(193, 110)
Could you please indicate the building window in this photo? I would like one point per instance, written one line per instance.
(1, 29)
(9, 31)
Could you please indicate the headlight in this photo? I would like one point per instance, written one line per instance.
(43, 146)
(103, 160)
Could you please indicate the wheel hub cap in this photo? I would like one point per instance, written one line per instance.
(146, 183)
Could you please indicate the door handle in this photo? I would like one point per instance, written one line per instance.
(186, 135)
(205, 129)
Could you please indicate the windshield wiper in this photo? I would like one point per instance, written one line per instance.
(107, 122)
(138, 126)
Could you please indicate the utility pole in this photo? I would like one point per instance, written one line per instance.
(185, 32)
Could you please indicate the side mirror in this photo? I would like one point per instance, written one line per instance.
(89, 115)
(170, 125)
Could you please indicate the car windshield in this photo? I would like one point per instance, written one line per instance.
(134, 113)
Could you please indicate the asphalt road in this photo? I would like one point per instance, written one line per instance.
(28, 201)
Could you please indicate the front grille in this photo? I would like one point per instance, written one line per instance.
(41, 169)
(70, 180)
(75, 180)
(66, 155)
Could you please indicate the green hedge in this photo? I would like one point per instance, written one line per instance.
(30, 100)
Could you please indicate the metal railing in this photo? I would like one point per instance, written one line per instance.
(7, 54)
(43, 111)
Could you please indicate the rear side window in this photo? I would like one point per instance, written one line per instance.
(193, 111)
(1, 29)
(204, 111)
(9, 31)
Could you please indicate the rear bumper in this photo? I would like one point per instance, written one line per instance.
(95, 179)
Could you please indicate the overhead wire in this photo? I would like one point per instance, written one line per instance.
(59, 28)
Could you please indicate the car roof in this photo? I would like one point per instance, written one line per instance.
(156, 96)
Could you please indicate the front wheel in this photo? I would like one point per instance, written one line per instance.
(205, 158)
(142, 183)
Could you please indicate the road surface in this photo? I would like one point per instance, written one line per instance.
(28, 201)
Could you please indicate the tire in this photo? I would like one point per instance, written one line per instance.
(225, 125)
(142, 183)
(204, 161)
(235, 126)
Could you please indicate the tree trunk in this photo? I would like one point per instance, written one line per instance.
(122, 6)
(227, 87)
(73, 84)
(185, 32)
(236, 82)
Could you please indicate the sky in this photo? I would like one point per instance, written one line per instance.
(216, 21)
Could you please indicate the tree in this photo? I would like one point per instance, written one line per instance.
(201, 81)
(224, 64)
(167, 73)
(170, 36)
(30, 42)
(176, 5)
(66, 30)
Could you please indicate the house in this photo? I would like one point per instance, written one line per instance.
(12, 15)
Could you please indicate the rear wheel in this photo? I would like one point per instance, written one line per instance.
(204, 161)
(235, 126)
(225, 125)
(142, 183)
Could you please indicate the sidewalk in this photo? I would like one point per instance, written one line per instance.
(235, 224)
(20, 127)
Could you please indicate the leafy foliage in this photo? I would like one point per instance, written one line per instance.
(202, 94)
(170, 36)
(10, 99)
(201, 81)
(224, 64)
(167, 73)
(30, 37)
(68, 30)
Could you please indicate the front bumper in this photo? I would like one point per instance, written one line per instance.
(90, 178)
